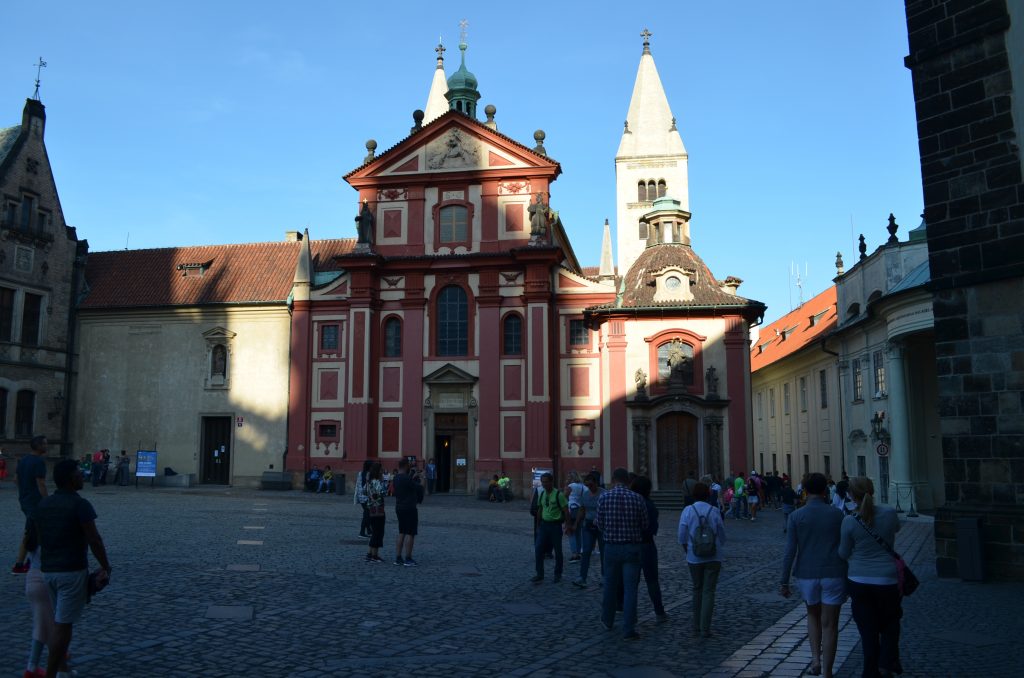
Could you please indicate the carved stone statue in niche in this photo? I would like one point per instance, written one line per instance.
(539, 219)
(711, 382)
(677, 363)
(365, 226)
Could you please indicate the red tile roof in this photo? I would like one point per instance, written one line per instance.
(206, 274)
(795, 330)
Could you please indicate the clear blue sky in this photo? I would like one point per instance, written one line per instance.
(194, 122)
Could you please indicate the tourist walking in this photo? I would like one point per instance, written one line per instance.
(873, 580)
(375, 490)
(812, 556)
(431, 471)
(702, 535)
(66, 525)
(739, 498)
(31, 477)
(360, 497)
(574, 492)
(622, 517)
(648, 549)
(552, 514)
(585, 524)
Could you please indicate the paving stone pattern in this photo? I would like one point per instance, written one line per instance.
(187, 599)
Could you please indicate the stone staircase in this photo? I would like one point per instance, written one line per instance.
(668, 500)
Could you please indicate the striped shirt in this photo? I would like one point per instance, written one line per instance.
(621, 516)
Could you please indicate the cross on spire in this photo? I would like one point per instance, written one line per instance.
(463, 26)
(40, 65)
(440, 53)
(646, 35)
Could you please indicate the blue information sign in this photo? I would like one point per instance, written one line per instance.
(145, 463)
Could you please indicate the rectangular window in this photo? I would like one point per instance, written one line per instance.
(823, 380)
(775, 463)
(6, 313)
(643, 230)
(760, 405)
(327, 431)
(807, 463)
(28, 210)
(803, 394)
(453, 223)
(858, 380)
(879, 365)
(862, 465)
(771, 403)
(785, 398)
(828, 464)
(328, 337)
(24, 414)
(3, 412)
(30, 319)
(10, 215)
(761, 457)
(789, 465)
(579, 335)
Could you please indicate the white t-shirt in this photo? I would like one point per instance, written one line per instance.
(576, 495)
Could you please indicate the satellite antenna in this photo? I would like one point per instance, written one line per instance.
(798, 281)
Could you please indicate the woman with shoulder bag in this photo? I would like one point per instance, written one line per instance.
(873, 578)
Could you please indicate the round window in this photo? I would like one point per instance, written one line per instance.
(673, 282)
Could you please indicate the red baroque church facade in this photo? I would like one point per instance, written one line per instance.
(462, 328)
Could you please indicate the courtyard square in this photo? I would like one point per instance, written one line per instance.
(224, 582)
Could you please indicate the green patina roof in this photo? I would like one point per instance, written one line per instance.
(462, 78)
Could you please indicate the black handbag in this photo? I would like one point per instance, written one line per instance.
(908, 581)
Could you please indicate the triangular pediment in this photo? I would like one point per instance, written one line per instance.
(219, 334)
(453, 143)
(449, 374)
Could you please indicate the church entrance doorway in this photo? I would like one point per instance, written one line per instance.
(451, 450)
(677, 449)
(215, 460)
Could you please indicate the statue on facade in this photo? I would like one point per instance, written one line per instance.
(678, 363)
(364, 227)
(641, 383)
(711, 382)
(539, 218)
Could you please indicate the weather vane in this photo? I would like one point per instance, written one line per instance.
(463, 25)
(39, 71)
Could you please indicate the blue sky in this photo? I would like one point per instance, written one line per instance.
(216, 122)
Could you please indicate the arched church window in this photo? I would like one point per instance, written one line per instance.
(24, 414)
(219, 361)
(652, 190)
(662, 187)
(452, 321)
(392, 338)
(641, 191)
(675, 362)
(643, 230)
(512, 335)
(453, 220)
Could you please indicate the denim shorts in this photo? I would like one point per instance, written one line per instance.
(68, 593)
(830, 591)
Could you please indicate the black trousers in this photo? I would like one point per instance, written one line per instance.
(364, 527)
(877, 610)
(549, 536)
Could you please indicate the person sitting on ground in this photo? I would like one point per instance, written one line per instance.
(313, 478)
(494, 489)
(505, 484)
(326, 481)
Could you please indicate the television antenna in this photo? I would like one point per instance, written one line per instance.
(798, 281)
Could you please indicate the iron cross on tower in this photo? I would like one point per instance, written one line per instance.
(39, 70)
(463, 25)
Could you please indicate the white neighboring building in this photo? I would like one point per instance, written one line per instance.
(887, 368)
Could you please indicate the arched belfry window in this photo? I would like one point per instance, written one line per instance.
(641, 191)
(662, 187)
(512, 335)
(392, 338)
(452, 321)
(652, 190)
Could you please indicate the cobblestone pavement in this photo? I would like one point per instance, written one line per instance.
(223, 582)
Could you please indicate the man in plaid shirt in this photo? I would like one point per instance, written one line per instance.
(622, 518)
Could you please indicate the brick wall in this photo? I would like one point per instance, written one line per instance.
(962, 56)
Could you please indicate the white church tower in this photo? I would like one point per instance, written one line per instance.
(651, 160)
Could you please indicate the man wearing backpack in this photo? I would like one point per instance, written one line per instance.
(552, 513)
(702, 535)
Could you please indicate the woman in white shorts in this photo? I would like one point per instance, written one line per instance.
(812, 541)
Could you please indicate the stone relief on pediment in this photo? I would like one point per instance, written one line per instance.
(454, 150)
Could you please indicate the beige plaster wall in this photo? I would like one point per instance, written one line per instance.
(142, 381)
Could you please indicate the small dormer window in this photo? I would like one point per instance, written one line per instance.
(673, 284)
